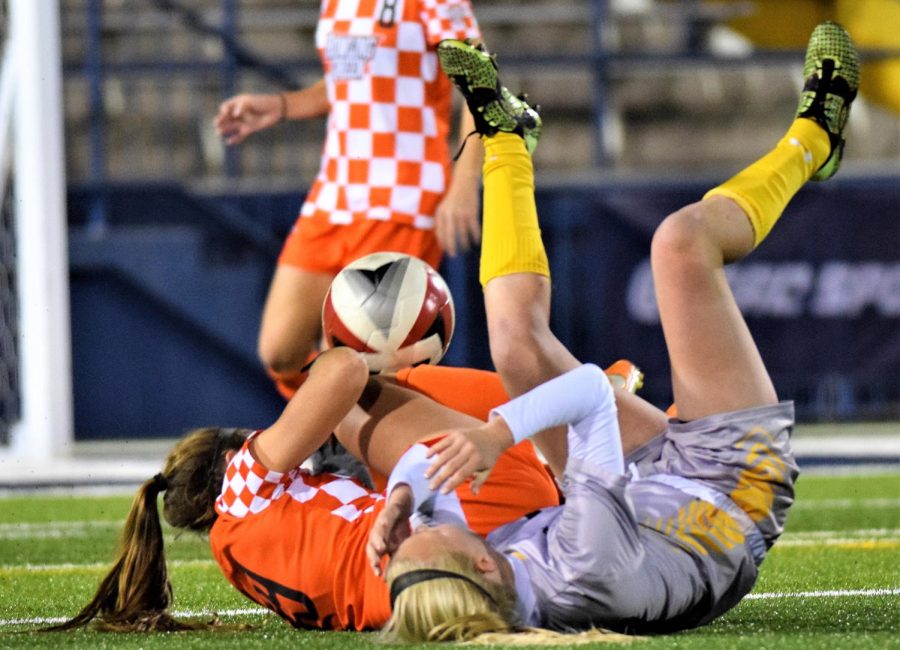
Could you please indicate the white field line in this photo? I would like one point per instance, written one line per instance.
(854, 542)
(809, 538)
(860, 538)
(64, 529)
(836, 593)
(56, 529)
(75, 529)
(830, 534)
(257, 611)
(844, 504)
(71, 567)
(39, 525)
(68, 529)
(248, 611)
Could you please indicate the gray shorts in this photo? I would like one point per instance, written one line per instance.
(744, 455)
(718, 488)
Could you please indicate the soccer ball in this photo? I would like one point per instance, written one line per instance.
(394, 307)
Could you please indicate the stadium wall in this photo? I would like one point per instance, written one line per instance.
(166, 298)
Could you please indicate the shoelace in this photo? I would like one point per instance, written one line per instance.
(463, 145)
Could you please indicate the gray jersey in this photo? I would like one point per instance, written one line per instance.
(673, 545)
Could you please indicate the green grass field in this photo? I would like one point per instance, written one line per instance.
(832, 581)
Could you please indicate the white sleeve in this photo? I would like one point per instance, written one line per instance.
(410, 469)
(581, 398)
(428, 506)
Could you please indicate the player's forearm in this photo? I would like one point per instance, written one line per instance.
(583, 399)
(566, 399)
(437, 507)
(410, 471)
(467, 169)
(334, 385)
(307, 103)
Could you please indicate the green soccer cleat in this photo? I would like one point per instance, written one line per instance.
(832, 78)
(494, 108)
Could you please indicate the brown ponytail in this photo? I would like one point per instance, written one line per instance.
(136, 594)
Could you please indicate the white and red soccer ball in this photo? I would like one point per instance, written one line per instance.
(394, 307)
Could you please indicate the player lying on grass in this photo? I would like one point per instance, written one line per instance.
(294, 542)
(676, 540)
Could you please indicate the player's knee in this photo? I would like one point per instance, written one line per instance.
(515, 346)
(281, 354)
(682, 237)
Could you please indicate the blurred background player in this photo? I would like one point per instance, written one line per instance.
(384, 181)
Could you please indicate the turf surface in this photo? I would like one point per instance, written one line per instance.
(832, 581)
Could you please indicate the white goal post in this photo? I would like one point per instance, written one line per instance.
(33, 57)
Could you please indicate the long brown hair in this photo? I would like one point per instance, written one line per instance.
(136, 593)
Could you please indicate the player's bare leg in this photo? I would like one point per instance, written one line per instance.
(716, 366)
(514, 270)
(391, 415)
(389, 419)
(291, 324)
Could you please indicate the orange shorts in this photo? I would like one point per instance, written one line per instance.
(319, 246)
(470, 391)
(519, 483)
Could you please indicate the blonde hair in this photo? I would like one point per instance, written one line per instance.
(135, 595)
(534, 636)
(453, 610)
(448, 609)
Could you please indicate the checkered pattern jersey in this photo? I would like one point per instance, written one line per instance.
(386, 152)
(294, 543)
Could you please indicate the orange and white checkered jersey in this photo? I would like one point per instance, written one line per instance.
(295, 543)
(386, 154)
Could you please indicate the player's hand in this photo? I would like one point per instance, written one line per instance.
(457, 225)
(394, 360)
(465, 453)
(391, 527)
(243, 115)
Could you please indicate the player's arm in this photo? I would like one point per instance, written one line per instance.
(407, 493)
(581, 398)
(457, 220)
(336, 381)
(307, 103)
(243, 115)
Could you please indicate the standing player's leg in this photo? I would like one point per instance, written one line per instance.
(514, 270)
(716, 366)
(291, 324)
(314, 252)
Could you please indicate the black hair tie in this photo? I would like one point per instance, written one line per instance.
(160, 482)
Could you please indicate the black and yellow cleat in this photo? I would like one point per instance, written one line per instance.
(831, 72)
(494, 108)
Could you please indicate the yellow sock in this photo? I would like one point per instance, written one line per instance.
(511, 237)
(764, 188)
